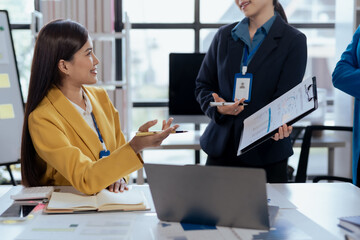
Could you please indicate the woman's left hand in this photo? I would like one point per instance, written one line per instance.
(118, 186)
(167, 124)
(284, 132)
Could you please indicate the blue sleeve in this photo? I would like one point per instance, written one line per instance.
(346, 75)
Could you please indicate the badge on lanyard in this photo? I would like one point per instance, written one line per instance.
(242, 86)
(104, 152)
(243, 80)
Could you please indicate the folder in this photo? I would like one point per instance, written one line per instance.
(288, 108)
(68, 9)
(108, 57)
(47, 11)
(57, 10)
(82, 12)
(99, 16)
(108, 16)
(91, 15)
(74, 10)
(98, 50)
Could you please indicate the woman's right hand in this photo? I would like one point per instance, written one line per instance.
(234, 109)
(138, 143)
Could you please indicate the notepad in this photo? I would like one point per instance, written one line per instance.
(7, 111)
(131, 200)
(4, 80)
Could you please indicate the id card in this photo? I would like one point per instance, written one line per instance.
(242, 86)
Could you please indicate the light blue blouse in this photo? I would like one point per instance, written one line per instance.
(241, 31)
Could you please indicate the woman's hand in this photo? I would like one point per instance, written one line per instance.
(138, 143)
(284, 132)
(118, 186)
(234, 109)
(167, 124)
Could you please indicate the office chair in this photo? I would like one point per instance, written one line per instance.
(295, 135)
(8, 167)
(301, 174)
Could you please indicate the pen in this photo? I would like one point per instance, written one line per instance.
(155, 132)
(214, 104)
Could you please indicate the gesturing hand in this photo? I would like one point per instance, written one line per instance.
(140, 142)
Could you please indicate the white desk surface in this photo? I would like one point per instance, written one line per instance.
(191, 140)
(318, 208)
(324, 203)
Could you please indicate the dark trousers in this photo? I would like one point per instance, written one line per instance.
(275, 172)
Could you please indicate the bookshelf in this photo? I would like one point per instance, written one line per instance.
(121, 96)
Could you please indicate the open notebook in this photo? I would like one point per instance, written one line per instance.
(131, 200)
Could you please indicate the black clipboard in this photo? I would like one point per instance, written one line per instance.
(311, 93)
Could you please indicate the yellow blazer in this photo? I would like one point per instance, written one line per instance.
(68, 149)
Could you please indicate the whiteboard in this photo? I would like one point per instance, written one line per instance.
(11, 100)
(288, 108)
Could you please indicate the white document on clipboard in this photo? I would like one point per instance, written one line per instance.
(288, 108)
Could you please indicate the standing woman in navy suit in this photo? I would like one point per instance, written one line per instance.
(274, 54)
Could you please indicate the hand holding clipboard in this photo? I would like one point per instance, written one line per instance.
(286, 109)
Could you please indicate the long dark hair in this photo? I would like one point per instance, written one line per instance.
(278, 8)
(59, 39)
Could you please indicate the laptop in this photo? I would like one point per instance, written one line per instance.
(209, 195)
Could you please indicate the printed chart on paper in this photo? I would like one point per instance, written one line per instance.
(282, 110)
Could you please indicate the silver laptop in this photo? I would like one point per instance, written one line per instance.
(209, 195)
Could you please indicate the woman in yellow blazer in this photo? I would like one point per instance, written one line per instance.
(71, 133)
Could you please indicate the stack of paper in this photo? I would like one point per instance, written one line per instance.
(351, 224)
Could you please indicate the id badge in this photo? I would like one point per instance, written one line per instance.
(242, 86)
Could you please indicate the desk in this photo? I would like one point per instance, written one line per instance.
(324, 203)
(182, 141)
(191, 140)
(318, 208)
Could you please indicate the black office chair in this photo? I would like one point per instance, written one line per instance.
(301, 174)
(8, 167)
(295, 135)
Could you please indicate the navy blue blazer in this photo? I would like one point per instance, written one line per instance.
(277, 66)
